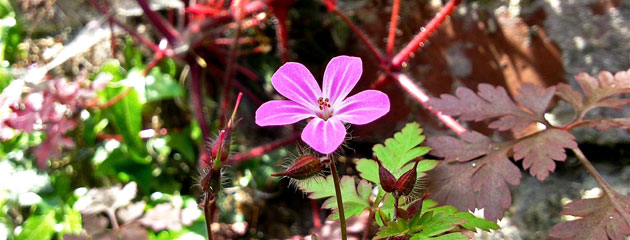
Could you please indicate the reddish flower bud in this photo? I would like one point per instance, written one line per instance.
(225, 151)
(402, 213)
(414, 207)
(211, 182)
(331, 5)
(388, 181)
(303, 168)
(407, 181)
(223, 142)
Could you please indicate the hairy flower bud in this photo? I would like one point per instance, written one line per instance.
(214, 151)
(407, 181)
(414, 207)
(388, 181)
(222, 142)
(211, 181)
(304, 167)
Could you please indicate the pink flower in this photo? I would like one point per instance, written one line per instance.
(328, 107)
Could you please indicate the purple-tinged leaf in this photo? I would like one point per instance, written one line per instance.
(570, 95)
(599, 219)
(494, 102)
(603, 124)
(538, 151)
(479, 183)
(471, 145)
(534, 98)
(599, 92)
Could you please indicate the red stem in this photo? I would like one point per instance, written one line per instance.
(423, 35)
(131, 32)
(317, 223)
(164, 28)
(229, 69)
(377, 54)
(417, 93)
(260, 150)
(197, 101)
(391, 38)
(281, 12)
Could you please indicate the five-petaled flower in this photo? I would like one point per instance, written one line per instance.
(328, 106)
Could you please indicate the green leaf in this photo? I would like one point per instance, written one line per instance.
(473, 222)
(437, 223)
(450, 236)
(126, 114)
(161, 86)
(38, 227)
(181, 142)
(399, 227)
(386, 210)
(401, 149)
(397, 153)
(72, 223)
(356, 198)
(132, 56)
(5, 78)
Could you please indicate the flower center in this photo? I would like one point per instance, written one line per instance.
(324, 106)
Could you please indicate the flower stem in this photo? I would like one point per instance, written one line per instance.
(208, 215)
(424, 33)
(610, 193)
(342, 216)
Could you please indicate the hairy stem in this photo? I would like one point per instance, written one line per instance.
(281, 13)
(260, 150)
(377, 54)
(208, 215)
(417, 93)
(424, 34)
(231, 61)
(342, 215)
(197, 101)
(131, 32)
(396, 198)
(393, 24)
(610, 193)
(317, 223)
(368, 224)
(164, 28)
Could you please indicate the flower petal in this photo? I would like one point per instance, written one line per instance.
(296, 83)
(324, 136)
(281, 112)
(363, 107)
(342, 74)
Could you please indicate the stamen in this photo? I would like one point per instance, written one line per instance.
(324, 106)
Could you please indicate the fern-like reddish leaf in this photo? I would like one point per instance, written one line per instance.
(599, 219)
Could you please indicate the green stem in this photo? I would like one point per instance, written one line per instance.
(342, 216)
